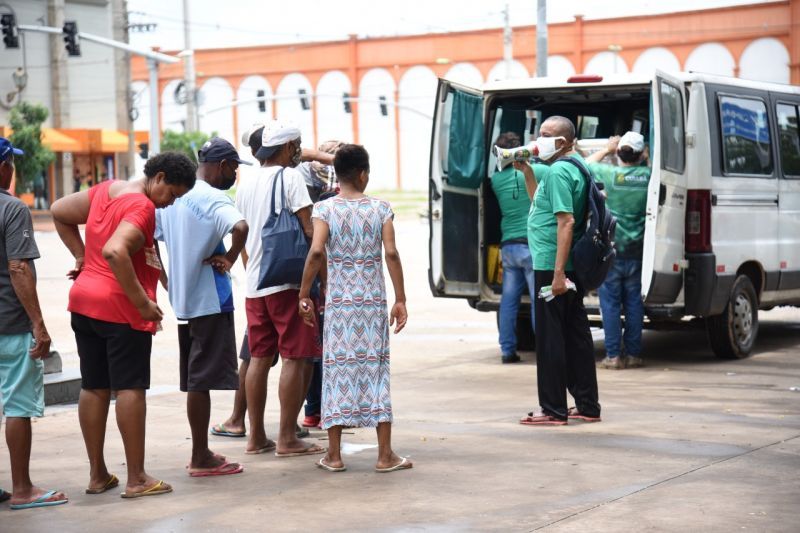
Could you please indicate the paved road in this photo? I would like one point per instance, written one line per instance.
(687, 443)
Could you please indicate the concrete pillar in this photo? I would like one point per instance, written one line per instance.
(794, 41)
(122, 80)
(352, 71)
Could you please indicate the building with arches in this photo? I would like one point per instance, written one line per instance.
(394, 78)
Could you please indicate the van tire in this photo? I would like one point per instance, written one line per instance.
(733, 333)
(526, 338)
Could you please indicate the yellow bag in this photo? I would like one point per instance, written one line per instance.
(494, 264)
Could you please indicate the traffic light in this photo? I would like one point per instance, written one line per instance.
(10, 31)
(304, 103)
(71, 40)
(346, 100)
(262, 104)
(384, 108)
(144, 150)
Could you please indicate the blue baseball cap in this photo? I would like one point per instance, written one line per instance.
(7, 149)
(217, 149)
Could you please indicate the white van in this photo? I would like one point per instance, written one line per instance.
(722, 234)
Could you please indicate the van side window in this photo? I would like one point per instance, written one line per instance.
(745, 136)
(789, 140)
(672, 133)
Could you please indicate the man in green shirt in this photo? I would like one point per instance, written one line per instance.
(510, 188)
(564, 347)
(626, 193)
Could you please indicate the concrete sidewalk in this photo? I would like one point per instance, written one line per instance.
(686, 443)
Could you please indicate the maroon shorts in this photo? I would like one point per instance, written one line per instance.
(274, 326)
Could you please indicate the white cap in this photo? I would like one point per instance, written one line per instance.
(276, 134)
(633, 140)
(249, 133)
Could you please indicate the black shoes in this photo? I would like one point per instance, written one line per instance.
(511, 358)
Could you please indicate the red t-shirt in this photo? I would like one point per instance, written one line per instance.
(97, 293)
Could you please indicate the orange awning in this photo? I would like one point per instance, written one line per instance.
(59, 142)
(113, 141)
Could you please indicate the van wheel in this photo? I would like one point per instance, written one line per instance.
(733, 333)
(526, 338)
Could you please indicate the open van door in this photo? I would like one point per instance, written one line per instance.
(662, 278)
(457, 168)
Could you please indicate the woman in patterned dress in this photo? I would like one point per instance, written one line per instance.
(352, 228)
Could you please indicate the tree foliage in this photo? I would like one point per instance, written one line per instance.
(26, 120)
(187, 143)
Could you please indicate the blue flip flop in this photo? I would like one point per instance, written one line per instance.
(220, 431)
(41, 501)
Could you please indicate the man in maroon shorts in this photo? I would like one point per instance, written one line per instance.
(273, 324)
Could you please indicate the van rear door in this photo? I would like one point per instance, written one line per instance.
(662, 279)
(457, 169)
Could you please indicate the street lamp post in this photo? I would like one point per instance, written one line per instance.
(615, 49)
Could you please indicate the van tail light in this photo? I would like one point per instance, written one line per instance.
(698, 221)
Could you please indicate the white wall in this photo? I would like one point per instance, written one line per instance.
(333, 123)
(417, 91)
(500, 72)
(290, 109)
(377, 132)
(711, 58)
(765, 60)
(606, 63)
(559, 67)
(465, 74)
(216, 92)
(656, 58)
(173, 114)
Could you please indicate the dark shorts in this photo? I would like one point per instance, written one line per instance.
(208, 353)
(113, 356)
(274, 326)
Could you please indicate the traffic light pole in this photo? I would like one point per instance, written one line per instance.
(153, 59)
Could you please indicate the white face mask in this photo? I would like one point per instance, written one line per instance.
(547, 147)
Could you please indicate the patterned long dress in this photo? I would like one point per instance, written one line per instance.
(355, 345)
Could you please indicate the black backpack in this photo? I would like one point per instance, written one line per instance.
(594, 253)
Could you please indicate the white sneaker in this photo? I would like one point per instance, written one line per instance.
(632, 361)
(613, 363)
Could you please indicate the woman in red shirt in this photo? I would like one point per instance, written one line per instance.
(113, 306)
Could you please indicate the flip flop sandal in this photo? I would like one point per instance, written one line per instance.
(41, 501)
(405, 464)
(224, 469)
(311, 450)
(540, 419)
(220, 431)
(574, 414)
(156, 490)
(266, 449)
(321, 464)
(112, 482)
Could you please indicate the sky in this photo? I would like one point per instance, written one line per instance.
(216, 24)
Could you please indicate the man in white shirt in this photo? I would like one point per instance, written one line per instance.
(272, 321)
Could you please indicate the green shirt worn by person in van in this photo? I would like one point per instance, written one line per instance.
(561, 190)
(626, 197)
(509, 188)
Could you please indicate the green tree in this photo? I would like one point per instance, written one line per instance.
(187, 143)
(26, 120)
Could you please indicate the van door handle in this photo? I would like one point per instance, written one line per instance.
(662, 194)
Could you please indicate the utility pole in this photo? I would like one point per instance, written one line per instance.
(58, 67)
(541, 38)
(122, 68)
(189, 75)
(508, 42)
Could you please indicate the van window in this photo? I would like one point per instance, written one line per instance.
(465, 157)
(745, 136)
(789, 141)
(672, 137)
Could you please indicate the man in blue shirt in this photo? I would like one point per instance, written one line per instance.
(200, 291)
